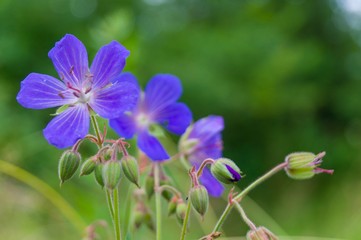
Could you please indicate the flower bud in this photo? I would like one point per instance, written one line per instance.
(172, 205)
(131, 169)
(112, 173)
(166, 194)
(226, 171)
(149, 186)
(88, 166)
(181, 212)
(261, 233)
(68, 164)
(199, 198)
(143, 215)
(304, 165)
(98, 173)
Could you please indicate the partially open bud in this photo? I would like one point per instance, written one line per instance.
(304, 165)
(199, 198)
(226, 171)
(112, 173)
(98, 173)
(88, 166)
(181, 211)
(68, 164)
(261, 233)
(131, 169)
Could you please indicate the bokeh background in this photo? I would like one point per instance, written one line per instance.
(285, 75)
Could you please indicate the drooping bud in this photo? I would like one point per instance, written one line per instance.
(261, 233)
(68, 164)
(131, 169)
(149, 186)
(181, 211)
(226, 171)
(172, 205)
(88, 166)
(98, 173)
(199, 198)
(142, 215)
(112, 173)
(166, 194)
(304, 165)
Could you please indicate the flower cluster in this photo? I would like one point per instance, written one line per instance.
(83, 93)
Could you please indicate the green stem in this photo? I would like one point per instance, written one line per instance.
(116, 220)
(242, 194)
(96, 130)
(41, 187)
(185, 221)
(110, 203)
(251, 225)
(158, 200)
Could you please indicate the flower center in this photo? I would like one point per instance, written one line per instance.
(142, 120)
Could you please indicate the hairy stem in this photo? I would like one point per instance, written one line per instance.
(158, 196)
(242, 194)
(116, 219)
(251, 225)
(185, 221)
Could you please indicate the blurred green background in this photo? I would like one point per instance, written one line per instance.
(284, 74)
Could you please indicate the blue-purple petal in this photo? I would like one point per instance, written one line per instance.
(108, 63)
(67, 128)
(175, 117)
(123, 125)
(212, 185)
(39, 91)
(70, 60)
(151, 147)
(207, 127)
(113, 101)
(162, 91)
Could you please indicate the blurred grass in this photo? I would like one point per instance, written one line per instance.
(284, 74)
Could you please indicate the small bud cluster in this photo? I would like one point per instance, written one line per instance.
(107, 168)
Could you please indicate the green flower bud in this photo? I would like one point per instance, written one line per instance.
(172, 205)
(226, 171)
(166, 194)
(68, 164)
(112, 173)
(181, 211)
(304, 165)
(149, 186)
(199, 198)
(98, 173)
(88, 166)
(131, 169)
(261, 233)
(143, 215)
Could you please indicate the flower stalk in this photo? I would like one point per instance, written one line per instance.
(158, 204)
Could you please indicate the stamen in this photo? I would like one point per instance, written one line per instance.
(61, 95)
(321, 170)
(72, 88)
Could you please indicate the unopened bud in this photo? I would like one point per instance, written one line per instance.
(98, 173)
(143, 215)
(166, 194)
(68, 164)
(181, 212)
(88, 166)
(172, 205)
(226, 171)
(149, 186)
(112, 173)
(304, 165)
(131, 169)
(199, 198)
(261, 233)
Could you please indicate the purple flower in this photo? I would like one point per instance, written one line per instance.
(157, 106)
(203, 140)
(81, 90)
